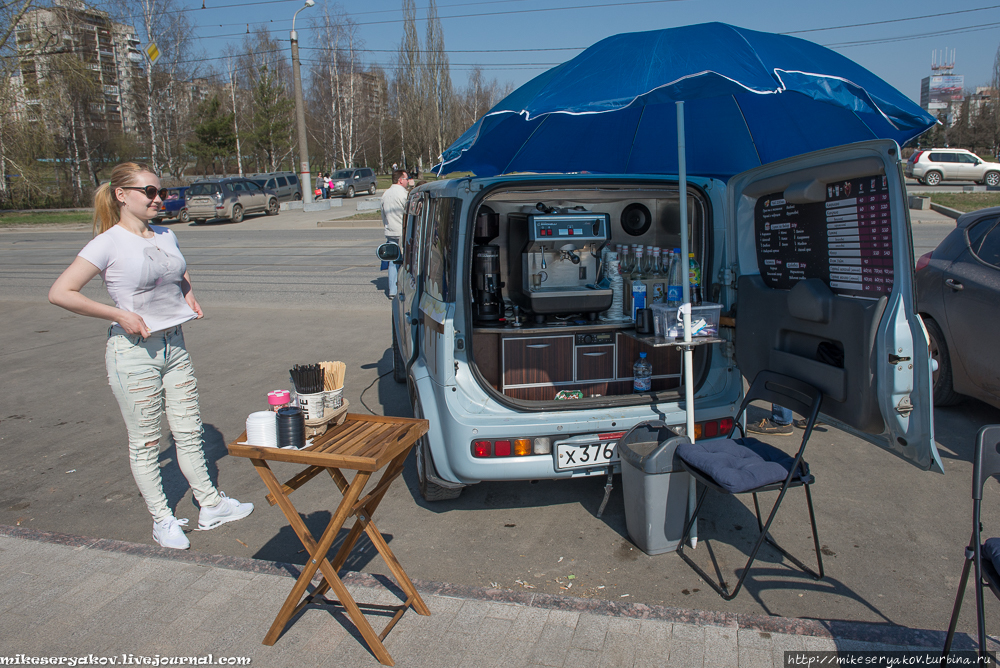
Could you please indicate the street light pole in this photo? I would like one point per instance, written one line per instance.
(305, 179)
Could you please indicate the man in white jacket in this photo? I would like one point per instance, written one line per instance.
(393, 206)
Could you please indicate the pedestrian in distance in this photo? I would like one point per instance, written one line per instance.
(393, 205)
(148, 366)
(325, 180)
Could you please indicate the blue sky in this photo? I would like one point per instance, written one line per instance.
(504, 36)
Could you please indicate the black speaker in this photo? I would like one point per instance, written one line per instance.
(635, 219)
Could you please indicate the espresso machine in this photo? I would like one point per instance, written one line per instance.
(553, 256)
(487, 299)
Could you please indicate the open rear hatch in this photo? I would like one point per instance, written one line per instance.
(825, 291)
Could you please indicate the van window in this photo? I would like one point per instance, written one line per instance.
(203, 189)
(269, 184)
(344, 174)
(439, 279)
(366, 173)
(411, 232)
(293, 180)
(252, 187)
(282, 182)
(238, 186)
(943, 157)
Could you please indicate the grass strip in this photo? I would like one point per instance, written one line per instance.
(967, 201)
(8, 219)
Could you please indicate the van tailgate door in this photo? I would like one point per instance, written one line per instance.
(825, 291)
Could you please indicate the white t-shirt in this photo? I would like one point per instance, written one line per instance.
(393, 204)
(143, 276)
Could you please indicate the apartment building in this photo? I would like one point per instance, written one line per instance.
(108, 52)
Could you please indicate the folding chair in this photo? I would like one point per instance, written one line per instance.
(986, 556)
(749, 466)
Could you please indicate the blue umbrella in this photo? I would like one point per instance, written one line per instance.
(619, 108)
(752, 98)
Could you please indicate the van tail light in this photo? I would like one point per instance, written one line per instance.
(721, 428)
(915, 156)
(924, 260)
(515, 447)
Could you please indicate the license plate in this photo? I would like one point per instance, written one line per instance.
(573, 454)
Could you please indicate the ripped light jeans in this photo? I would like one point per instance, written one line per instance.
(147, 375)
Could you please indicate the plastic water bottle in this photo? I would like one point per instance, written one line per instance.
(642, 373)
(675, 282)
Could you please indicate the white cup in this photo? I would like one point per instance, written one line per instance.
(312, 405)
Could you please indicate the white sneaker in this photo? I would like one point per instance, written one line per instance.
(169, 533)
(227, 510)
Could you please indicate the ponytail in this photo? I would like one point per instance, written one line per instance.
(107, 208)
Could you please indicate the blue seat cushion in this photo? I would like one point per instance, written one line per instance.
(738, 465)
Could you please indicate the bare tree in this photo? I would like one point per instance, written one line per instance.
(437, 85)
(231, 65)
(408, 95)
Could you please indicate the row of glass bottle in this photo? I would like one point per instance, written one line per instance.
(648, 263)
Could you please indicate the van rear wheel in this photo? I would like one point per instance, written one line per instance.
(431, 491)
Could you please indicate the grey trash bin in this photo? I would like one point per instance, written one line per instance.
(654, 485)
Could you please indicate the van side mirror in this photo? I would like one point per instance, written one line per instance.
(390, 252)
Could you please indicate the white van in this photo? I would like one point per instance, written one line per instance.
(811, 257)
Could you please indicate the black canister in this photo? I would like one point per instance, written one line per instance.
(291, 427)
(644, 321)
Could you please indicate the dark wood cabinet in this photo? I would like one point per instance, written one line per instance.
(537, 360)
(595, 362)
(535, 368)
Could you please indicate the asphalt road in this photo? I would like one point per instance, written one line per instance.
(279, 291)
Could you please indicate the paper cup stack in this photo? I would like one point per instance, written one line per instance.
(262, 429)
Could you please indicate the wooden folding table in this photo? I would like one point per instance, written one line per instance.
(365, 444)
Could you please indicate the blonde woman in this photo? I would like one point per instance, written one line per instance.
(148, 367)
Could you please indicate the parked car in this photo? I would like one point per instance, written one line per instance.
(284, 184)
(932, 166)
(779, 250)
(958, 289)
(347, 182)
(230, 198)
(175, 205)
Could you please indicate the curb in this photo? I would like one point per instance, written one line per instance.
(832, 629)
(947, 210)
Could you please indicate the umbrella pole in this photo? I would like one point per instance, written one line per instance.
(686, 307)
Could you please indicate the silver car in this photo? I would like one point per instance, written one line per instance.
(932, 166)
(230, 198)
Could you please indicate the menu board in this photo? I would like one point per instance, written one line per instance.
(845, 241)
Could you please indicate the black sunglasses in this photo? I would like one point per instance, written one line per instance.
(151, 191)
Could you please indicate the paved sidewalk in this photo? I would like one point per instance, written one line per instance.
(67, 595)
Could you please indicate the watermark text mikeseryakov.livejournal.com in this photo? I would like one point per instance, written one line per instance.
(124, 660)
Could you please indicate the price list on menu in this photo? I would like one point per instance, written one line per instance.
(845, 241)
